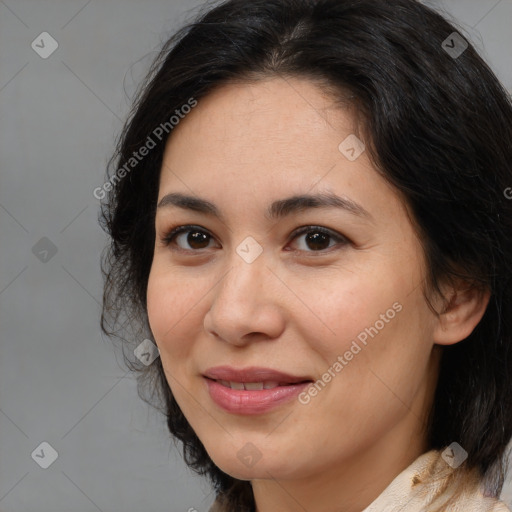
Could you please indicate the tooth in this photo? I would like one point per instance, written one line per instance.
(224, 383)
(270, 385)
(253, 386)
(236, 385)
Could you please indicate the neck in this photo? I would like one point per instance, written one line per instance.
(351, 484)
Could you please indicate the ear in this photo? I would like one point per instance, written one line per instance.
(464, 308)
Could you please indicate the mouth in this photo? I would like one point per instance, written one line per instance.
(256, 386)
(253, 376)
(252, 390)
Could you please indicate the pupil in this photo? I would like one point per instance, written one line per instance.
(314, 241)
(194, 239)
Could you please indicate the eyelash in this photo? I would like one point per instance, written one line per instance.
(170, 236)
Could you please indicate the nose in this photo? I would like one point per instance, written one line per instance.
(246, 304)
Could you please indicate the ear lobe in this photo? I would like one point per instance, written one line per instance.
(461, 315)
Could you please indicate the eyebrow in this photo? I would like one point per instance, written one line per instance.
(278, 209)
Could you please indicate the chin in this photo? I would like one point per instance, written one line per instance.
(249, 463)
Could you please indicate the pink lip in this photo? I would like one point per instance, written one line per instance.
(252, 374)
(252, 402)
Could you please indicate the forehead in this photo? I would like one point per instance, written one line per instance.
(284, 127)
(261, 141)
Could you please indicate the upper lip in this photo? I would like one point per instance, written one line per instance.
(252, 374)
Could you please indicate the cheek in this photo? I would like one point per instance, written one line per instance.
(347, 309)
(375, 320)
(173, 312)
(170, 307)
(386, 349)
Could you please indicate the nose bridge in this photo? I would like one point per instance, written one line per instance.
(242, 303)
(243, 282)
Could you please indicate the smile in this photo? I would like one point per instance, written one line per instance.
(252, 386)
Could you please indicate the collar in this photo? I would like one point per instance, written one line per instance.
(427, 485)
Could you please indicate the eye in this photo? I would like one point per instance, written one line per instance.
(194, 236)
(318, 239)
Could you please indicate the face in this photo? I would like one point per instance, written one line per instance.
(329, 295)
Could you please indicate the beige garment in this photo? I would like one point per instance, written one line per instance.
(412, 491)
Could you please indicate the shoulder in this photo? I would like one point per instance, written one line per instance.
(500, 507)
(478, 503)
(430, 484)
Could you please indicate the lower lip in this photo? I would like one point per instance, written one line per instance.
(238, 401)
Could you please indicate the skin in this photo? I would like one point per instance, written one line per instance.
(294, 308)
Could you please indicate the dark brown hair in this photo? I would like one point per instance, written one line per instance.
(439, 128)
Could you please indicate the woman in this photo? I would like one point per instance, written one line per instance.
(308, 218)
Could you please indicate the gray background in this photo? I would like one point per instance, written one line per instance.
(60, 382)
